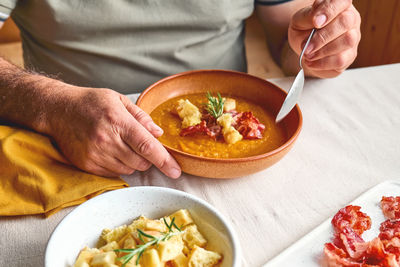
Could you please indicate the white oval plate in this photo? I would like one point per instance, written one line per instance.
(83, 226)
(308, 251)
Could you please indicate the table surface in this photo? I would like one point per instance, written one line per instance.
(350, 142)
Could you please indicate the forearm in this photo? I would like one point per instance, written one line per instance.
(27, 99)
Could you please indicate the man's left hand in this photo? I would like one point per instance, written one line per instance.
(334, 45)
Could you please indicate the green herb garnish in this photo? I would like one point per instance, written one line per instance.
(153, 241)
(215, 105)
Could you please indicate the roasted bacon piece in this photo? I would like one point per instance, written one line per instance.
(389, 229)
(367, 254)
(351, 216)
(335, 256)
(349, 249)
(375, 253)
(202, 128)
(210, 120)
(349, 241)
(248, 125)
(390, 236)
(393, 246)
(244, 122)
(391, 207)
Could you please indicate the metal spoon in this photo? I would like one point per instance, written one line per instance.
(296, 89)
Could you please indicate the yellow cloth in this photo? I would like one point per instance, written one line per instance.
(36, 179)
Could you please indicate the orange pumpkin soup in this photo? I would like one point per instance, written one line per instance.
(201, 145)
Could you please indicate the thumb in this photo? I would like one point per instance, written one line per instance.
(142, 117)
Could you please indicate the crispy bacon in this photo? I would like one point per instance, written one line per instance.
(244, 122)
(389, 229)
(210, 120)
(349, 249)
(201, 128)
(393, 246)
(391, 207)
(371, 254)
(375, 253)
(351, 216)
(349, 241)
(390, 236)
(248, 125)
(334, 256)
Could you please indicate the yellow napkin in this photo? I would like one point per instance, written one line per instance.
(36, 179)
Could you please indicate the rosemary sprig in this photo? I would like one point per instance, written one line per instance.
(215, 106)
(154, 240)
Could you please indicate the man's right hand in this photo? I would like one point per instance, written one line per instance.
(103, 132)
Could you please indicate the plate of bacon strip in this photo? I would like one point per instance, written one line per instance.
(365, 233)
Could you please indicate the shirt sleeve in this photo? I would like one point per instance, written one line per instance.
(6, 6)
(270, 2)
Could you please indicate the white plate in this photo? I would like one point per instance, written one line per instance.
(83, 226)
(308, 250)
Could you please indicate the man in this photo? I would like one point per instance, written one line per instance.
(126, 45)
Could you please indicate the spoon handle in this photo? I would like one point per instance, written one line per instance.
(305, 47)
(296, 89)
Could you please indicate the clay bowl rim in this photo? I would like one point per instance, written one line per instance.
(276, 151)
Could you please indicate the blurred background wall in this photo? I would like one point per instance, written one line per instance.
(380, 42)
(380, 29)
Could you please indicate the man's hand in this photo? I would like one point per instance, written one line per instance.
(334, 45)
(103, 132)
(98, 130)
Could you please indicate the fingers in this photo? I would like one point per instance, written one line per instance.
(130, 158)
(141, 148)
(113, 159)
(325, 73)
(337, 62)
(114, 165)
(142, 117)
(344, 42)
(334, 45)
(106, 134)
(325, 11)
(98, 170)
(340, 25)
(145, 145)
(108, 161)
(120, 160)
(114, 168)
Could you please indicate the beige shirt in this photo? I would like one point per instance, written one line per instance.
(126, 45)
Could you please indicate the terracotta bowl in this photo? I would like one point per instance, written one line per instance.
(234, 83)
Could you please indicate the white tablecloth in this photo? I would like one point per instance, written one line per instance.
(350, 142)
